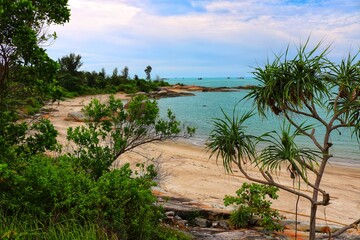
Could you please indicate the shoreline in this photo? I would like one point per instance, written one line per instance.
(335, 160)
(189, 173)
(192, 175)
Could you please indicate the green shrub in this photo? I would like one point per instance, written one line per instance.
(70, 94)
(39, 195)
(128, 88)
(55, 191)
(251, 201)
(161, 83)
(123, 205)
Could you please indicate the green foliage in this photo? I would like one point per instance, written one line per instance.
(251, 201)
(82, 82)
(25, 68)
(282, 149)
(147, 71)
(15, 227)
(72, 196)
(18, 143)
(291, 83)
(43, 192)
(123, 204)
(301, 87)
(128, 88)
(112, 130)
(167, 233)
(161, 83)
(50, 192)
(113, 202)
(345, 77)
(45, 189)
(69, 77)
(229, 140)
(70, 63)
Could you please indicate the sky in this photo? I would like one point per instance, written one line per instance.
(201, 38)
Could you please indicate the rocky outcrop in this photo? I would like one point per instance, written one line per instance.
(166, 93)
(193, 88)
(187, 90)
(204, 223)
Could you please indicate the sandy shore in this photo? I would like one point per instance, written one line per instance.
(189, 173)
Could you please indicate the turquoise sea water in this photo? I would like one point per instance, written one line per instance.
(201, 109)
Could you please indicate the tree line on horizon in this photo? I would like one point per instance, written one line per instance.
(75, 82)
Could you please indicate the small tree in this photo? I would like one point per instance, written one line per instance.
(25, 68)
(125, 73)
(148, 70)
(70, 63)
(295, 88)
(251, 202)
(112, 130)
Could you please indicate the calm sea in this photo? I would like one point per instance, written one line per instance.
(201, 109)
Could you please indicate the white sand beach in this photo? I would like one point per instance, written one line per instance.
(189, 173)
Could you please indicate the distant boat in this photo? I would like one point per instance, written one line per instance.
(228, 77)
(199, 78)
(240, 77)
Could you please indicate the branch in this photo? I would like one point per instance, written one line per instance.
(315, 113)
(142, 140)
(271, 182)
(326, 196)
(310, 135)
(336, 100)
(342, 230)
(342, 125)
(298, 112)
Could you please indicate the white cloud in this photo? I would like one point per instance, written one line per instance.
(134, 31)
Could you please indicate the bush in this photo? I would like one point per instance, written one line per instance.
(161, 83)
(128, 88)
(52, 192)
(251, 202)
(45, 189)
(40, 193)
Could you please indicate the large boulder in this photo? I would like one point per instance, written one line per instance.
(76, 117)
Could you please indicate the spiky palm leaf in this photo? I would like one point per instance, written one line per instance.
(229, 140)
(283, 150)
(346, 83)
(289, 83)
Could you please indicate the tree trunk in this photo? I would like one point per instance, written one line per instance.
(314, 201)
(313, 221)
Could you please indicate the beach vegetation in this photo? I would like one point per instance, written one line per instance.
(125, 72)
(298, 90)
(74, 82)
(39, 193)
(147, 71)
(26, 71)
(111, 130)
(49, 193)
(251, 203)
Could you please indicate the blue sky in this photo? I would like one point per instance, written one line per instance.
(201, 38)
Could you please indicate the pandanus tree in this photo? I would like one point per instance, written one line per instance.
(305, 88)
